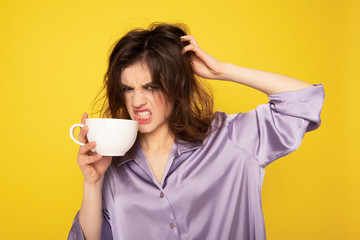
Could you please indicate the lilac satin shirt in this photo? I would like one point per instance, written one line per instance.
(209, 191)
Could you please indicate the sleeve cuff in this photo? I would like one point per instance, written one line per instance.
(304, 103)
(76, 232)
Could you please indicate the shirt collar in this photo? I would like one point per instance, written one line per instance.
(180, 146)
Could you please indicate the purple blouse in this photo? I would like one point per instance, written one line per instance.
(209, 190)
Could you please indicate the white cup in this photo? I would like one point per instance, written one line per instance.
(113, 137)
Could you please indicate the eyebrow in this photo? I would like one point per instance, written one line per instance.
(123, 85)
(145, 85)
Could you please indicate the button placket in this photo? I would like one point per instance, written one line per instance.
(171, 223)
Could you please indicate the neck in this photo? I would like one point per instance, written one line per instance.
(158, 140)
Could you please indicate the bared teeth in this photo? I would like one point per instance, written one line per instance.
(143, 115)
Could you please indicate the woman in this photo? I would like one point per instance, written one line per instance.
(191, 174)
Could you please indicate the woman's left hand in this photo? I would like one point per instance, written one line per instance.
(203, 64)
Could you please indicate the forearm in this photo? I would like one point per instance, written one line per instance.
(90, 216)
(267, 82)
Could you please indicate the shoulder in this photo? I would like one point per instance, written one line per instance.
(224, 120)
(223, 123)
(237, 127)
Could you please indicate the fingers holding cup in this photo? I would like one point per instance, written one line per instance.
(87, 149)
(84, 130)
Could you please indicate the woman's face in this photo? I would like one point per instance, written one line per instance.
(144, 101)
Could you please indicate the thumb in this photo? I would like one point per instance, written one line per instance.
(84, 117)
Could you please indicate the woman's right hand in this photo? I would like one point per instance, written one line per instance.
(92, 165)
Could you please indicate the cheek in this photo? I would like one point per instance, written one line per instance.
(158, 99)
(127, 100)
(163, 104)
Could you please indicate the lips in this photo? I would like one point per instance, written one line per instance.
(142, 115)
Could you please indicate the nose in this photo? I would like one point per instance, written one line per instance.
(139, 99)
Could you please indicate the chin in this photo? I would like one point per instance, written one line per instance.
(144, 129)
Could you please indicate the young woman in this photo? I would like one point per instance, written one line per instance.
(192, 173)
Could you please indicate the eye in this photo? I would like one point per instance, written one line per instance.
(151, 87)
(126, 88)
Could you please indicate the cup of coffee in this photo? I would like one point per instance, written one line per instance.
(113, 137)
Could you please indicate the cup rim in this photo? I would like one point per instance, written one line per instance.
(112, 119)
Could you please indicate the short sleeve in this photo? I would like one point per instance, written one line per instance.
(277, 128)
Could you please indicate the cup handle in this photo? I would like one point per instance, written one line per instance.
(72, 133)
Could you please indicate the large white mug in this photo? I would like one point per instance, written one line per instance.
(113, 137)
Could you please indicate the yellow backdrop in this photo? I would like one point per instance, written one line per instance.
(53, 57)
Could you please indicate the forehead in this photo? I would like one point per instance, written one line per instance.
(136, 74)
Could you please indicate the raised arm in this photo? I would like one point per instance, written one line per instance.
(208, 67)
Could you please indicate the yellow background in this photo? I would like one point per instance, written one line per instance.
(53, 57)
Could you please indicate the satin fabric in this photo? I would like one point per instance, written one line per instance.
(210, 190)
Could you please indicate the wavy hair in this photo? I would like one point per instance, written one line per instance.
(160, 48)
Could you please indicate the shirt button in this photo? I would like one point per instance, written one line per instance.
(172, 225)
(161, 194)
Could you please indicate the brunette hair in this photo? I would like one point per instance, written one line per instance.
(160, 48)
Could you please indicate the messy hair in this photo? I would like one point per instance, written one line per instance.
(160, 48)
